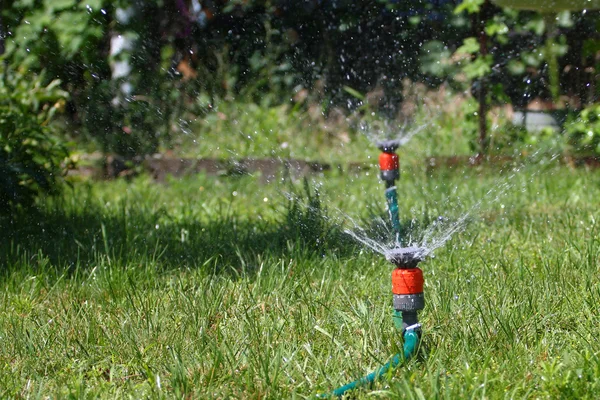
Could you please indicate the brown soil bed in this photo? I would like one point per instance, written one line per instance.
(273, 169)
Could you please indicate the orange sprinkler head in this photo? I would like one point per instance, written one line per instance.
(389, 166)
(389, 162)
(407, 287)
(407, 281)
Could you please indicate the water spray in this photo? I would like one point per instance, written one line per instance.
(407, 277)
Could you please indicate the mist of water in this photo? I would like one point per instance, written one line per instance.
(428, 239)
(377, 234)
(381, 239)
(386, 130)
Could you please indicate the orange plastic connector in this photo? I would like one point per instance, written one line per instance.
(388, 161)
(407, 281)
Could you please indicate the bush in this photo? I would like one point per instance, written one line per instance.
(584, 131)
(30, 153)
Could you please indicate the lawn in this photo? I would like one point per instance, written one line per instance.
(222, 287)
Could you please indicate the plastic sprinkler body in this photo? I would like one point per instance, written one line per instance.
(389, 166)
(407, 286)
(389, 163)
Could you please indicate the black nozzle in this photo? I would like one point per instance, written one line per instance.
(406, 257)
(388, 146)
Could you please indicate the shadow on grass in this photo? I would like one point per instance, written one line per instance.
(74, 237)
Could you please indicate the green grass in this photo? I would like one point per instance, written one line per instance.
(446, 125)
(239, 129)
(188, 291)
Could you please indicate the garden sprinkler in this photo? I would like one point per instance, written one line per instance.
(407, 278)
(389, 166)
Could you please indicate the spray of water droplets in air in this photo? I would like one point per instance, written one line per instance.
(385, 130)
(423, 232)
(430, 236)
(380, 238)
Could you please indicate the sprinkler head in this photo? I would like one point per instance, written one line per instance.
(406, 257)
(389, 167)
(388, 146)
(407, 282)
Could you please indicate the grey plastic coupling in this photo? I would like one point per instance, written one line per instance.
(409, 302)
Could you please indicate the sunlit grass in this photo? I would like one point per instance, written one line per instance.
(221, 288)
(236, 130)
(445, 125)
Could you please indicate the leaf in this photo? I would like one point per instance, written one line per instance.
(496, 28)
(479, 67)
(355, 93)
(95, 5)
(435, 58)
(470, 46)
(591, 47)
(537, 26)
(470, 6)
(59, 5)
(516, 67)
(564, 19)
(532, 59)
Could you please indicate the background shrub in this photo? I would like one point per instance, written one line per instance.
(584, 131)
(31, 155)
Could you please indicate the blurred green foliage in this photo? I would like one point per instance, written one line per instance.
(139, 73)
(58, 35)
(584, 131)
(31, 156)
